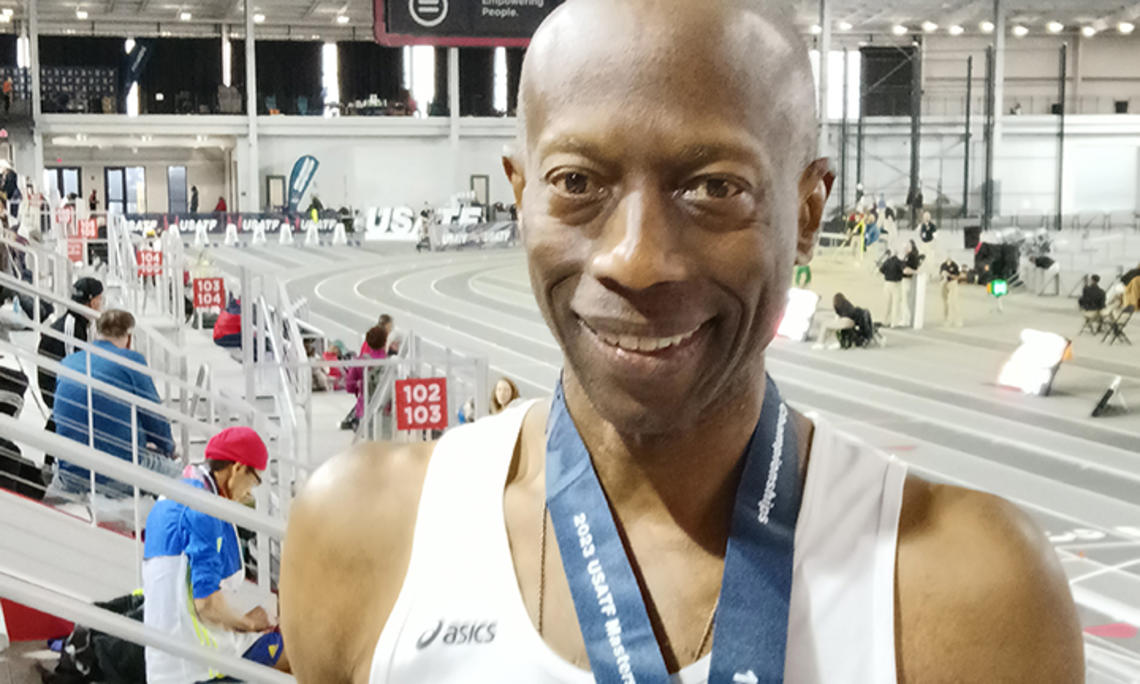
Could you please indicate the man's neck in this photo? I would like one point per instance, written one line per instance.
(688, 476)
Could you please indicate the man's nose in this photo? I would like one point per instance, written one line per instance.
(641, 243)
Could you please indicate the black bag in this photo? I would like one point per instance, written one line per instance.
(17, 474)
(90, 656)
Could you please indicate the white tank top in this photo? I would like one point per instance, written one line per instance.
(461, 618)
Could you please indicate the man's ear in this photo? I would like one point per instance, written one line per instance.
(814, 190)
(513, 167)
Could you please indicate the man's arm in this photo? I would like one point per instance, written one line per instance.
(981, 596)
(346, 552)
(214, 609)
(155, 429)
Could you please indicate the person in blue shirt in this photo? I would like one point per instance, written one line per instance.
(110, 417)
(193, 575)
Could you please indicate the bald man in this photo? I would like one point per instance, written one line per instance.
(666, 516)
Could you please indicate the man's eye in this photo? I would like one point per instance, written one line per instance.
(573, 183)
(707, 189)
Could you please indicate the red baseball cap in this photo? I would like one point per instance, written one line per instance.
(240, 445)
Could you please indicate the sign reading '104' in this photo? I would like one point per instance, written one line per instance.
(459, 22)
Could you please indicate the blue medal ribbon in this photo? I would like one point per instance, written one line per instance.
(751, 624)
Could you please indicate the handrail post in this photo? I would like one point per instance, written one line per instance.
(91, 437)
(137, 502)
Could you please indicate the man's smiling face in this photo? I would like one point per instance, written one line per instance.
(660, 194)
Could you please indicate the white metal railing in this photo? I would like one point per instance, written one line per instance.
(53, 601)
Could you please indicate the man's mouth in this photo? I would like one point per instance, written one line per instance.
(641, 343)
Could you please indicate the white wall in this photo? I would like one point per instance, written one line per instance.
(204, 168)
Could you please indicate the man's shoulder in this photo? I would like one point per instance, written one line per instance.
(346, 551)
(981, 593)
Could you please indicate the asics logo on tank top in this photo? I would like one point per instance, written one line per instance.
(467, 633)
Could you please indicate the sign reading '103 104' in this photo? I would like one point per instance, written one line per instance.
(459, 22)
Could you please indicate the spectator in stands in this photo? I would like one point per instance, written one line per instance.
(951, 275)
(193, 199)
(72, 324)
(110, 416)
(1093, 301)
(220, 207)
(190, 552)
(393, 341)
(505, 392)
(93, 200)
(9, 90)
(17, 474)
(844, 320)
(227, 328)
(898, 312)
(362, 380)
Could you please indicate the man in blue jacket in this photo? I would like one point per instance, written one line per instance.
(110, 417)
(193, 574)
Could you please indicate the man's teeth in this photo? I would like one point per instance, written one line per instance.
(644, 344)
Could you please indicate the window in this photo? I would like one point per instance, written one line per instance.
(176, 189)
(126, 189)
(64, 180)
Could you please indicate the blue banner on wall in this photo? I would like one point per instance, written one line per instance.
(302, 176)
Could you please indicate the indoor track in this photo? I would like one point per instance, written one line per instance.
(928, 398)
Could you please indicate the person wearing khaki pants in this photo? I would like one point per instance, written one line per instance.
(951, 276)
(897, 310)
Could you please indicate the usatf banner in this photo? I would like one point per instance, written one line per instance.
(217, 223)
(464, 23)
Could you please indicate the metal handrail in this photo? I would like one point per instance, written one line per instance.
(138, 476)
(54, 603)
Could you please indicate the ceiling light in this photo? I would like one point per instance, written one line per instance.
(816, 29)
(5, 18)
(1126, 27)
(7, 11)
(1020, 31)
(986, 26)
(956, 30)
(316, 36)
(342, 19)
(1088, 31)
(1055, 27)
(259, 18)
(845, 26)
(80, 14)
(929, 26)
(185, 16)
(899, 30)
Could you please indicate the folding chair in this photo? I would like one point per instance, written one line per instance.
(1093, 323)
(1117, 325)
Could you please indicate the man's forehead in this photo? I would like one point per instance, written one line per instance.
(642, 59)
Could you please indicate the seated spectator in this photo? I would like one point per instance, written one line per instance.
(360, 382)
(1093, 299)
(392, 343)
(844, 320)
(17, 474)
(72, 324)
(227, 329)
(1114, 299)
(1132, 293)
(1129, 276)
(110, 417)
(504, 393)
(190, 552)
(320, 377)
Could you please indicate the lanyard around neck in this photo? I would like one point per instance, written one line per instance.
(751, 624)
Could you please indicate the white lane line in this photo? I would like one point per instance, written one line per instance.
(940, 407)
(1107, 570)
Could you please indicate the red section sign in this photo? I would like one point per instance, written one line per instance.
(209, 293)
(150, 262)
(421, 404)
(89, 229)
(74, 249)
(65, 216)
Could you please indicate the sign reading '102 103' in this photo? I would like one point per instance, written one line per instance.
(459, 22)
